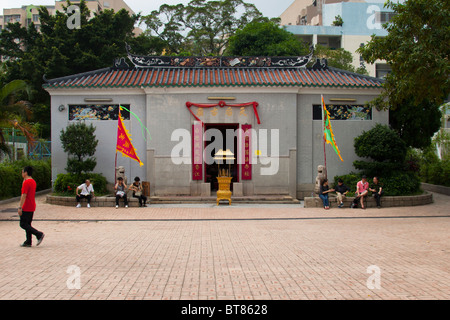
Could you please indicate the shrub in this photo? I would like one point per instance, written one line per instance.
(11, 177)
(79, 141)
(400, 183)
(350, 180)
(436, 172)
(66, 183)
(384, 147)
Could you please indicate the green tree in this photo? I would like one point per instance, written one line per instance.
(201, 27)
(58, 51)
(417, 48)
(338, 22)
(15, 113)
(384, 148)
(265, 38)
(415, 125)
(79, 141)
(338, 58)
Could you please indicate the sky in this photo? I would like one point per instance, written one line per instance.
(269, 8)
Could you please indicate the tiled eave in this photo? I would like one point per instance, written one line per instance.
(172, 77)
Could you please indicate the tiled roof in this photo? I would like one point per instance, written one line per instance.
(154, 77)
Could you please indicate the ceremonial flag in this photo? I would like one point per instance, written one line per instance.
(328, 131)
(124, 144)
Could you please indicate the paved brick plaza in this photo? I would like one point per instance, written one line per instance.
(239, 252)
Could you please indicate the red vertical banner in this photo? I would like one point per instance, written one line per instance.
(246, 151)
(197, 151)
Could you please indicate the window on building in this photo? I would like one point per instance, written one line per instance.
(344, 112)
(332, 42)
(382, 70)
(383, 17)
(98, 112)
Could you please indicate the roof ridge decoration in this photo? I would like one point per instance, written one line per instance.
(219, 62)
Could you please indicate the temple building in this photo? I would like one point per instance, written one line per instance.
(266, 110)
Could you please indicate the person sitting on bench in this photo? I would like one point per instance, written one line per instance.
(121, 192)
(87, 191)
(362, 189)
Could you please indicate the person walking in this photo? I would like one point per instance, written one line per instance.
(27, 207)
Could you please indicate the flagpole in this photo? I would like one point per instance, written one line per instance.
(115, 169)
(322, 102)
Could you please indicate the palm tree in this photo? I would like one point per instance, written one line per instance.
(14, 113)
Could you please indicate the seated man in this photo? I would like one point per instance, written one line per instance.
(377, 191)
(362, 189)
(341, 192)
(87, 191)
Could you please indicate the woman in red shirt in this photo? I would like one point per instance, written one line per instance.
(27, 207)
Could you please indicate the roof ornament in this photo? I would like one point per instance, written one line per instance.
(320, 64)
(299, 62)
(219, 62)
(120, 63)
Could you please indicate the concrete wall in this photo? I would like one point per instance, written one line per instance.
(276, 111)
(288, 110)
(310, 152)
(106, 132)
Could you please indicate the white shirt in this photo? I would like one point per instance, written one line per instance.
(85, 190)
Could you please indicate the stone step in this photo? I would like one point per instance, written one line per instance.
(109, 201)
(386, 201)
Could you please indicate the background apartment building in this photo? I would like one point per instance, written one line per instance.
(27, 14)
(312, 22)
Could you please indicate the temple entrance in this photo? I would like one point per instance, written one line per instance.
(211, 170)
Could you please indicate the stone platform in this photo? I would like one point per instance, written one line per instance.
(110, 201)
(386, 201)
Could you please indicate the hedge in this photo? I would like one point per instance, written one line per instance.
(66, 183)
(11, 176)
(400, 183)
(437, 172)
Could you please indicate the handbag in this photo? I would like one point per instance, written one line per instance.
(120, 193)
(138, 193)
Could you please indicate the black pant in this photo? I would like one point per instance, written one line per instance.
(378, 198)
(82, 196)
(141, 198)
(25, 223)
(125, 200)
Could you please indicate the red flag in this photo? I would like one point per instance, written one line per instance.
(124, 144)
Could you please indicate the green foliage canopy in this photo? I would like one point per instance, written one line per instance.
(79, 141)
(201, 27)
(265, 38)
(58, 51)
(417, 48)
(384, 147)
